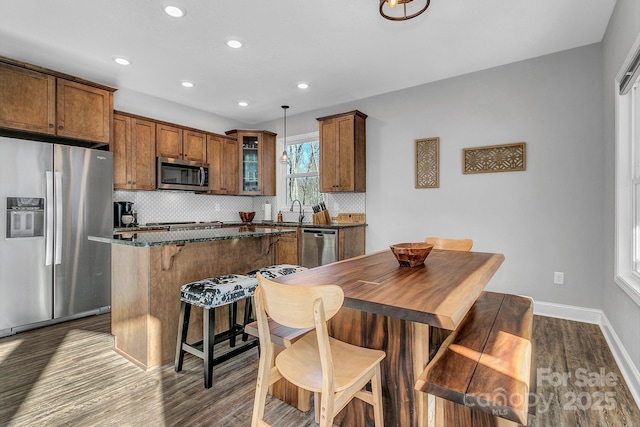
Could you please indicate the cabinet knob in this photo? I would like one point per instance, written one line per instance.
(51, 125)
(60, 127)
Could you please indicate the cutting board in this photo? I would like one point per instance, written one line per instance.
(351, 218)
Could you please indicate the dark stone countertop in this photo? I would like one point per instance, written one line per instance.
(158, 238)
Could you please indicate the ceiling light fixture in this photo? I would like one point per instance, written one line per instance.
(121, 60)
(174, 11)
(283, 157)
(243, 103)
(187, 83)
(234, 43)
(303, 85)
(408, 9)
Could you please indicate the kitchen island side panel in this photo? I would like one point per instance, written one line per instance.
(130, 301)
(158, 292)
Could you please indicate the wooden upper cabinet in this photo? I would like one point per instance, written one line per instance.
(35, 99)
(194, 146)
(83, 112)
(178, 143)
(222, 157)
(343, 152)
(134, 153)
(256, 162)
(168, 141)
(27, 100)
(122, 152)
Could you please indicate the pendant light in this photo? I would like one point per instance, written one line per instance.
(283, 157)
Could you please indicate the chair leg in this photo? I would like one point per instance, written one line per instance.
(247, 317)
(233, 319)
(208, 340)
(262, 385)
(376, 391)
(326, 410)
(183, 326)
(316, 407)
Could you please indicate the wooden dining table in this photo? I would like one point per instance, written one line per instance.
(394, 308)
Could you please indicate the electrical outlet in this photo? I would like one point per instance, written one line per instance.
(558, 278)
(217, 207)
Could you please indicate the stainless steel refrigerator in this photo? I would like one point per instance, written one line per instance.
(53, 197)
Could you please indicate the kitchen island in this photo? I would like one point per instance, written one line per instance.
(148, 269)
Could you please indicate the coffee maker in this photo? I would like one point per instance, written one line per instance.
(120, 209)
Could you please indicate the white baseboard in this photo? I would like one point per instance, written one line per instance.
(590, 315)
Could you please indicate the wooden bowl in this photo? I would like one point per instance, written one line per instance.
(247, 216)
(411, 254)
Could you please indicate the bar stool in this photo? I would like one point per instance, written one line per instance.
(278, 270)
(209, 294)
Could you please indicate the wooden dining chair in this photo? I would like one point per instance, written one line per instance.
(450, 244)
(335, 371)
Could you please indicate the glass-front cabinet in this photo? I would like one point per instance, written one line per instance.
(257, 168)
(250, 169)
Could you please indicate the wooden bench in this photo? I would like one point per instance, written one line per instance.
(283, 336)
(481, 375)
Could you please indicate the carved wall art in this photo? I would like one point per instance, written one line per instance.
(495, 158)
(428, 163)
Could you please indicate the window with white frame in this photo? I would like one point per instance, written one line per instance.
(301, 178)
(628, 180)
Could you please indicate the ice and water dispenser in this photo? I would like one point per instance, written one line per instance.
(25, 217)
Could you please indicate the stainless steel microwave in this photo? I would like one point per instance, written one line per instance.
(176, 174)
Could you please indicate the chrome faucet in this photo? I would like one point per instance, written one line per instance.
(301, 215)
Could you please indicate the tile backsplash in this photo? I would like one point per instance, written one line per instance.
(174, 206)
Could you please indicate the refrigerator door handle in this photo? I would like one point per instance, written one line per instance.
(58, 217)
(48, 256)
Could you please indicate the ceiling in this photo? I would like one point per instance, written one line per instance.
(343, 48)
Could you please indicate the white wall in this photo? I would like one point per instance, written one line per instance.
(548, 218)
(622, 312)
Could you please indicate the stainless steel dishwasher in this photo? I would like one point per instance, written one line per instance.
(319, 246)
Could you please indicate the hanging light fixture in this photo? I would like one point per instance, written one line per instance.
(283, 157)
(408, 9)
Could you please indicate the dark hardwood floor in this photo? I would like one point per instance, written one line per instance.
(68, 374)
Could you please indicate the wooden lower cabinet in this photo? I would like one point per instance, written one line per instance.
(288, 248)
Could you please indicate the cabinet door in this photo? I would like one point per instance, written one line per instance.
(345, 153)
(168, 141)
(84, 112)
(27, 100)
(328, 156)
(287, 249)
(229, 175)
(143, 160)
(250, 163)
(194, 146)
(268, 164)
(121, 149)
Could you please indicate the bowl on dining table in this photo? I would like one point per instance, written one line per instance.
(411, 254)
(246, 216)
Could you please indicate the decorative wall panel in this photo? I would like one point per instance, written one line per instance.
(428, 163)
(495, 158)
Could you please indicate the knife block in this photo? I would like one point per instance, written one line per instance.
(322, 217)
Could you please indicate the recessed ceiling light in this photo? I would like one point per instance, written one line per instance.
(303, 85)
(187, 83)
(243, 103)
(121, 60)
(174, 11)
(234, 43)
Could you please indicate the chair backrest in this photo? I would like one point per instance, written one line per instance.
(450, 244)
(293, 306)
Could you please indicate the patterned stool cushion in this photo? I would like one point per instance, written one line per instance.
(217, 291)
(274, 271)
